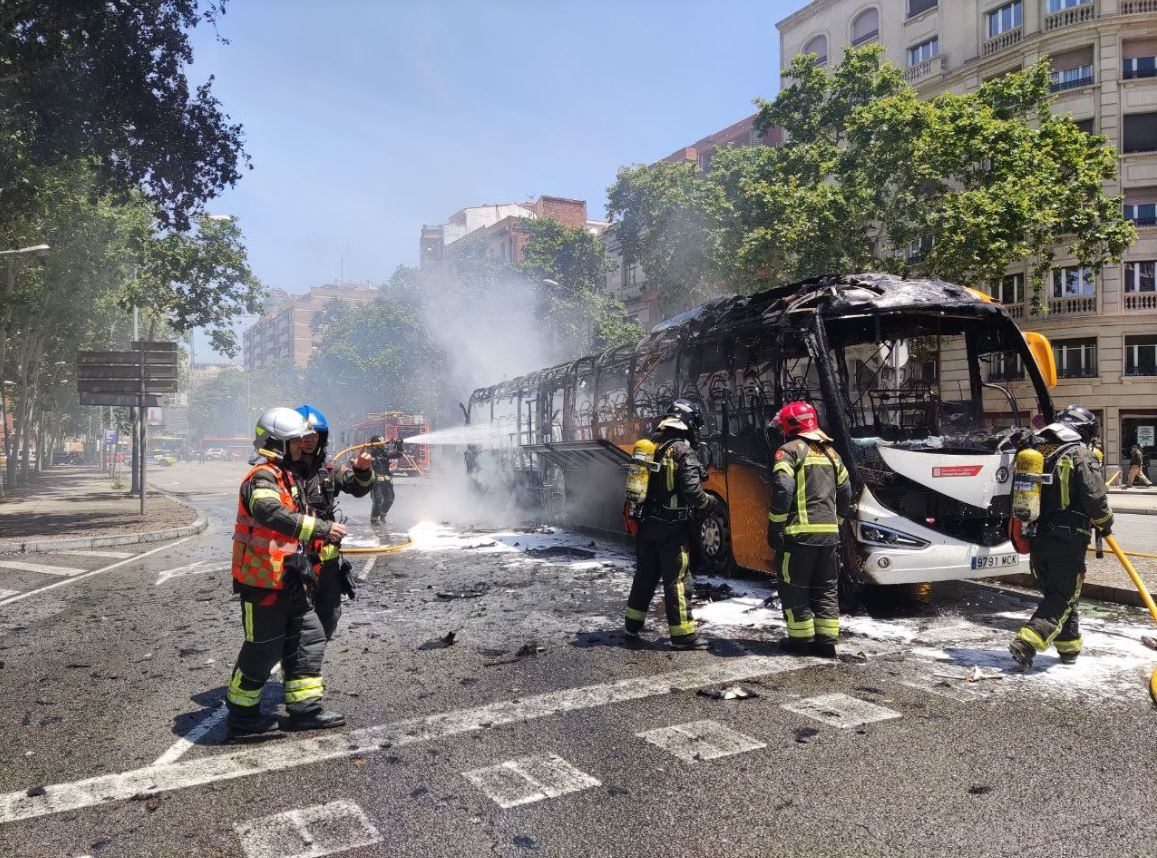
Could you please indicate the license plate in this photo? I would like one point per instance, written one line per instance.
(995, 561)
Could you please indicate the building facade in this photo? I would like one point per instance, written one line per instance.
(288, 330)
(1103, 53)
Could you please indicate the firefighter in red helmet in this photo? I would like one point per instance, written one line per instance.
(810, 496)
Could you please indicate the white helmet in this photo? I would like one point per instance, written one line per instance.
(276, 428)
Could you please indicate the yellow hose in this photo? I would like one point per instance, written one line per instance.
(1145, 597)
(413, 464)
(377, 549)
(1133, 554)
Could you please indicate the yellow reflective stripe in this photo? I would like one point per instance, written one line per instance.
(1099, 521)
(1072, 646)
(309, 688)
(1035, 640)
(636, 614)
(261, 494)
(812, 528)
(1065, 467)
(242, 696)
(784, 466)
(247, 617)
(328, 552)
(670, 464)
(306, 530)
(777, 517)
(830, 627)
(798, 628)
(682, 629)
(801, 495)
(681, 595)
(784, 566)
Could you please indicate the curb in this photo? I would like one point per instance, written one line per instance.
(41, 546)
(1120, 511)
(1100, 592)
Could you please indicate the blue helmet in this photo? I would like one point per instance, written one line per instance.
(318, 423)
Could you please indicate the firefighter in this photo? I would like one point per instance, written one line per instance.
(274, 579)
(383, 491)
(1071, 506)
(810, 496)
(664, 526)
(322, 486)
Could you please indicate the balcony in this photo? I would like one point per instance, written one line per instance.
(1015, 310)
(920, 71)
(1141, 302)
(1005, 40)
(1071, 83)
(1138, 7)
(1081, 372)
(1068, 17)
(1081, 305)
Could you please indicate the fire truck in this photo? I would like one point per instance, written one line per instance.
(393, 426)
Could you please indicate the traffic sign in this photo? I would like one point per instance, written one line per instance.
(125, 400)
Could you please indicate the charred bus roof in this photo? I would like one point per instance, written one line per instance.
(865, 300)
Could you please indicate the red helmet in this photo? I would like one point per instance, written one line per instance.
(796, 417)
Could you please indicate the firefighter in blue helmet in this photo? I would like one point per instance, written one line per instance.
(1072, 505)
(322, 486)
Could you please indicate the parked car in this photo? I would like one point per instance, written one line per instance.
(67, 457)
(215, 454)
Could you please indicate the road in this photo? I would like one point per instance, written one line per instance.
(539, 730)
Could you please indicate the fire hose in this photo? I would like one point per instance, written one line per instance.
(1145, 597)
(405, 456)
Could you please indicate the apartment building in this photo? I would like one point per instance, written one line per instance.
(1104, 59)
(288, 330)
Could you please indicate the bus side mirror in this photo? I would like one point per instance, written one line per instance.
(1042, 353)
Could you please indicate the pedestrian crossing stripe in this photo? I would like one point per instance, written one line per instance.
(4, 594)
(308, 832)
(111, 555)
(841, 710)
(701, 740)
(530, 779)
(42, 568)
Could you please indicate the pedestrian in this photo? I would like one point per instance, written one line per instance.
(1136, 467)
(275, 580)
(810, 496)
(665, 524)
(322, 486)
(383, 492)
(1072, 504)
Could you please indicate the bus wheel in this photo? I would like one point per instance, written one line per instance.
(713, 538)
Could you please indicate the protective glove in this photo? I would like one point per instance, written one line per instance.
(347, 579)
(775, 535)
(1106, 529)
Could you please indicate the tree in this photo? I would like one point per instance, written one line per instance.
(107, 81)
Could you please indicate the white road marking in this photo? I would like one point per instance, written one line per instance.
(199, 567)
(246, 762)
(530, 779)
(840, 710)
(4, 594)
(111, 555)
(42, 568)
(701, 740)
(9, 600)
(958, 691)
(367, 569)
(309, 832)
(199, 731)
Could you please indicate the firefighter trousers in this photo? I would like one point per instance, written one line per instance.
(1058, 566)
(327, 596)
(809, 591)
(280, 626)
(382, 495)
(662, 556)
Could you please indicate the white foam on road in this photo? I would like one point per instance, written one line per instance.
(41, 568)
(308, 832)
(247, 762)
(701, 740)
(528, 780)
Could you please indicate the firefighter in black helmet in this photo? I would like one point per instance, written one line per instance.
(383, 490)
(665, 526)
(1072, 505)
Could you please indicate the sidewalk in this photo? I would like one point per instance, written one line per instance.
(1106, 580)
(75, 503)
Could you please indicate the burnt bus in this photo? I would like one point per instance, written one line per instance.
(896, 370)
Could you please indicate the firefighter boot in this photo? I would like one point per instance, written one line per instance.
(689, 642)
(1023, 652)
(795, 646)
(823, 648)
(320, 719)
(244, 721)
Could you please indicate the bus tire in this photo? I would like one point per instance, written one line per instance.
(713, 543)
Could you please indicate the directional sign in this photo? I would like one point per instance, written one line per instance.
(127, 400)
(151, 368)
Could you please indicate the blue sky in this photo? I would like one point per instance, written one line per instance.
(367, 119)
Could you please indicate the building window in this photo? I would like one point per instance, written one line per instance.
(1087, 125)
(1060, 5)
(819, 47)
(1140, 58)
(1141, 276)
(1141, 213)
(1076, 358)
(1141, 132)
(918, 249)
(866, 26)
(1004, 18)
(1006, 366)
(1072, 69)
(915, 7)
(1141, 355)
(923, 51)
(1073, 281)
(1011, 290)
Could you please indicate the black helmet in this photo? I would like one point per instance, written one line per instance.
(683, 416)
(1079, 419)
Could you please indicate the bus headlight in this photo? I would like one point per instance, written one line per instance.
(885, 537)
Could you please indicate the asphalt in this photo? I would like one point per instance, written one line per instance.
(104, 674)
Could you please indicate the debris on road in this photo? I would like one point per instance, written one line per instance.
(1145, 639)
(561, 551)
(489, 544)
(709, 592)
(529, 649)
(975, 675)
(461, 594)
(731, 692)
(447, 640)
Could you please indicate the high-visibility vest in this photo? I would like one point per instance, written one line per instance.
(258, 552)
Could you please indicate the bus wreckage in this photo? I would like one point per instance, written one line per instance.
(896, 370)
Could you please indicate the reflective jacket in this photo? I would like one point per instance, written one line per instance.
(810, 492)
(1076, 500)
(676, 489)
(272, 523)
